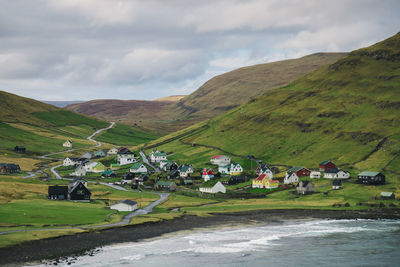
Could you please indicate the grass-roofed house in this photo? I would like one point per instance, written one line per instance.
(212, 187)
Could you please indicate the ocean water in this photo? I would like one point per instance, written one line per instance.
(301, 243)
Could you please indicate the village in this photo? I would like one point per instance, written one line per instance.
(155, 172)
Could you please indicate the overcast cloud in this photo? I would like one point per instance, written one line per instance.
(92, 49)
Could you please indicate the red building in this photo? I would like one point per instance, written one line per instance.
(326, 165)
(300, 171)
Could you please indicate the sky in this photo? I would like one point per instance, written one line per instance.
(122, 49)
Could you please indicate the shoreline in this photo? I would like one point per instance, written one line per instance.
(79, 244)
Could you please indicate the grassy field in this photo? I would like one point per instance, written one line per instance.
(125, 135)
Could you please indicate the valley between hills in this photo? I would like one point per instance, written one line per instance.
(339, 107)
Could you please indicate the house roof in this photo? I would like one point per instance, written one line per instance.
(295, 169)
(136, 165)
(261, 177)
(209, 183)
(107, 172)
(235, 164)
(219, 157)
(76, 185)
(372, 174)
(335, 170)
(325, 162)
(57, 189)
(387, 194)
(304, 183)
(184, 168)
(127, 202)
(159, 154)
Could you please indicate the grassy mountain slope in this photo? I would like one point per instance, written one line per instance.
(42, 128)
(231, 89)
(347, 112)
(216, 96)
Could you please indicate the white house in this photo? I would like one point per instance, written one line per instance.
(68, 144)
(79, 171)
(138, 167)
(90, 165)
(125, 205)
(112, 151)
(124, 159)
(291, 178)
(315, 174)
(224, 169)
(68, 162)
(185, 170)
(213, 187)
(235, 169)
(336, 173)
(157, 156)
(220, 160)
(267, 172)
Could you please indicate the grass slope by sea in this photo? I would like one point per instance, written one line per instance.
(347, 112)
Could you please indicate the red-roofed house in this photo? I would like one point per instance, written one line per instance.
(207, 174)
(259, 182)
(220, 160)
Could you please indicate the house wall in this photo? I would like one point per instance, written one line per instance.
(123, 207)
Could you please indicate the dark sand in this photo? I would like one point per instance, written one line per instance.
(79, 244)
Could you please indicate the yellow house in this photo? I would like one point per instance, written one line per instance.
(259, 182)
(99, 167)
(263, 181)
(271, 183)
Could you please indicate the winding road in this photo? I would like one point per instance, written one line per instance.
(146, 161)
(126, 219)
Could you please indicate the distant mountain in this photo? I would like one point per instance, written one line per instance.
(61, 104)
(216, 96)
(347, 112)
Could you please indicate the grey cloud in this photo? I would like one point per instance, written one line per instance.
(147, 49)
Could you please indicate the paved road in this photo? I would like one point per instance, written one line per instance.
(98, 144)
(145, 160)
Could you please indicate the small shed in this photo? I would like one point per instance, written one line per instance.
(125, 205)
(387, 195)
(336, 184)
(20, 149)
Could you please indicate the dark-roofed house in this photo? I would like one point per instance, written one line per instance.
(371, 178)
(3, 169)
(326, 165)
(58, 192)
(165, 185)
(79, 192)
(305, 187)
(20, 149)
(125, 205)
(336, 184)
(185, 170)
(12, 168)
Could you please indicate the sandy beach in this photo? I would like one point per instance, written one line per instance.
(84, 243)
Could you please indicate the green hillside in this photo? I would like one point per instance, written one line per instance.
(234, 88)
(216, 96)
(42, 128)
(347, 112)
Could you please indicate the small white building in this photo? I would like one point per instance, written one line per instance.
(138, 167)
(213, 188)
(224, 169)
(68, 162)
(220, 160)
(185, 170)
(67, 144)
(315, 174)
(125, 205)
(157, 156)
(235, 169)
(336, 174)
(112, 151)
(79, 171)
(291, 178)
(124, 159)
